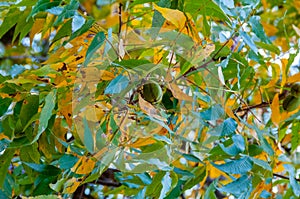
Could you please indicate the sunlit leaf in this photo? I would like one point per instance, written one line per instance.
(295, 185)
(46, 113)
(117, 85)
(239, 166)
(247, 39)
(96, 43)
(5, 160)
(239, 186)
(166, 185)
(275, 110)
(176, 17)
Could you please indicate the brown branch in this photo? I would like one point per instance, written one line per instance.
(194, 69)
(261, 105)
(284, 177)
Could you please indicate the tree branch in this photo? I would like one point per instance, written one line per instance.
(284, 177)
(261, 105)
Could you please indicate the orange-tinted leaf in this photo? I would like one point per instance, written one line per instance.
(84, 165)
(275, 117)
(294, 78)
(142, 142)
(149, 109)
(71, 185)
(178, 93)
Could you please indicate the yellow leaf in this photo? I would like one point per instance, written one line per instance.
(142, 142)
(176, 17)
(283, 73)
(269, 28)
(287, 139)
(178, 93)
(275, 117)
(71, 185)
(216, 173)
(296, 29)
(37, 27)
(294, 78)
(149, 109)
(202, 53)
(258, 189)
(192, 30)
(228, 109)
(84, 165)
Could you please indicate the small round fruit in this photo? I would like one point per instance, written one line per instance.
(152, 92)
(295, 89)
(291, 103)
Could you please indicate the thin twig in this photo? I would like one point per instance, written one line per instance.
(261, 105)
(284, 177)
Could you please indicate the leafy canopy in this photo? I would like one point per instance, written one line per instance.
(219, 119)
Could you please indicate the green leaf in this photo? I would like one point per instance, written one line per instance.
(158, 20)
(237, 147)
(29, 108)
(258, 29)
(155, 187)
(88, 137)
(5, 160)
(136, 2)
(166, 185)
(163, 138)
(295, 135)
(228, 127)
(46, 113)
(130, 63)
(265, 194)
(199, 174)
(205, 8)
(213, 113)
(77, 22)
(69, 11)
(176, 192)
(23, 26)
(43, 197)
(239, 186)
(248, 41)
(90, 21)
(3, 144)
(65, 30)
(94, 46)
(295, 185)
(191, 157)
(269, 47)
(183, 172)
(260, 133)
(9, 21)
(210, 191)
(67, 161)
(261, 163)
(4, 104)
(239, 166)
(59, 185)
(48, 170)
(117, 85)
(43, 5)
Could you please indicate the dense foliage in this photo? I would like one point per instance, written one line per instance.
(149, 99)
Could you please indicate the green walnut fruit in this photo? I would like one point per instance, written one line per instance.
(291, 103)
(152, 92)
(295, 89)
